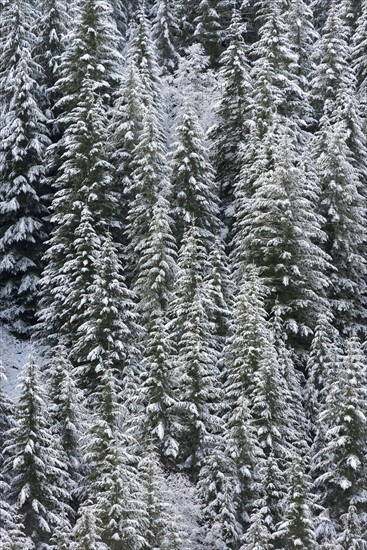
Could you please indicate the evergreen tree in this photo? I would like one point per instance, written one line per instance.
(107, 333)
(241, 360)
(154, 289)
(339, 449)
(221, 290)
(165, 32)
(297, 529)
(161, 530)
(157, 262)
(112, 481)
(340, 152)
(277, 230)
(230, 132)
(142, 53)
(124, 130)
(6, 413)
(196, 363)
(68, 412)
(351, 537)
(194, 196)
(195, 84)
(149, 178)
(186, 14)
(86, 531)
(39, 483)
(53, 26)
(24, 138)
(208, 29)
(83, 212)
(345, 223)
(93, 51)
(218, 490)
(319, 366)
(258, 536)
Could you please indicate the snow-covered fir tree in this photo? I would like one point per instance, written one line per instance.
(230, 132)
(106, 334)
(112, 482)
(35, 463)
(68, 413)
(92, 50)
(24, 138)
(165, 33)
(339, 451)
(194, 193)
(297, 529)
(208, 29)
(83, 212)
(196, 362)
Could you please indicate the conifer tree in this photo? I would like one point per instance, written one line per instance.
(86, 531)
(258, 536)
(154, 289)
(53, 26)
(6, 413)
(241, 360)
(107, 333)
(143, 54)
(297, 530)
(340, 151)
(124, 130)
(112, 481)
(219, 492)
(339, 450)
(83, 212)
(319, 366)
(208, 29)
(195, 84)
(161, 530)
(39, 482)
(186, 14)
(277, 230)
(196, 363)
(221, 289)
(345, 223)
(148, 180)
(194, 194)
(24, 138)
(165, 32)
(230, 132)
(93, 50)
(68, 412)
(351, 537)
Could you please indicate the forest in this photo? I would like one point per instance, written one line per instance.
(183, 256)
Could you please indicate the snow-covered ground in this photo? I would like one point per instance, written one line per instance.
(14, 354)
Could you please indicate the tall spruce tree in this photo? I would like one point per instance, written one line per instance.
(24, 138)
(208, 29)
(230, 131)
(278, 230)
(154, 289)
(83, 212)
(339, 450)
(112, 482)
(194, 193)
(149, 178)
(93, 50)
(107, 334)
(68, 413)
(35, 463)
(165, 33)
(196, 362)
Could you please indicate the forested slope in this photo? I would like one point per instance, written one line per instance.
(183, 247)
